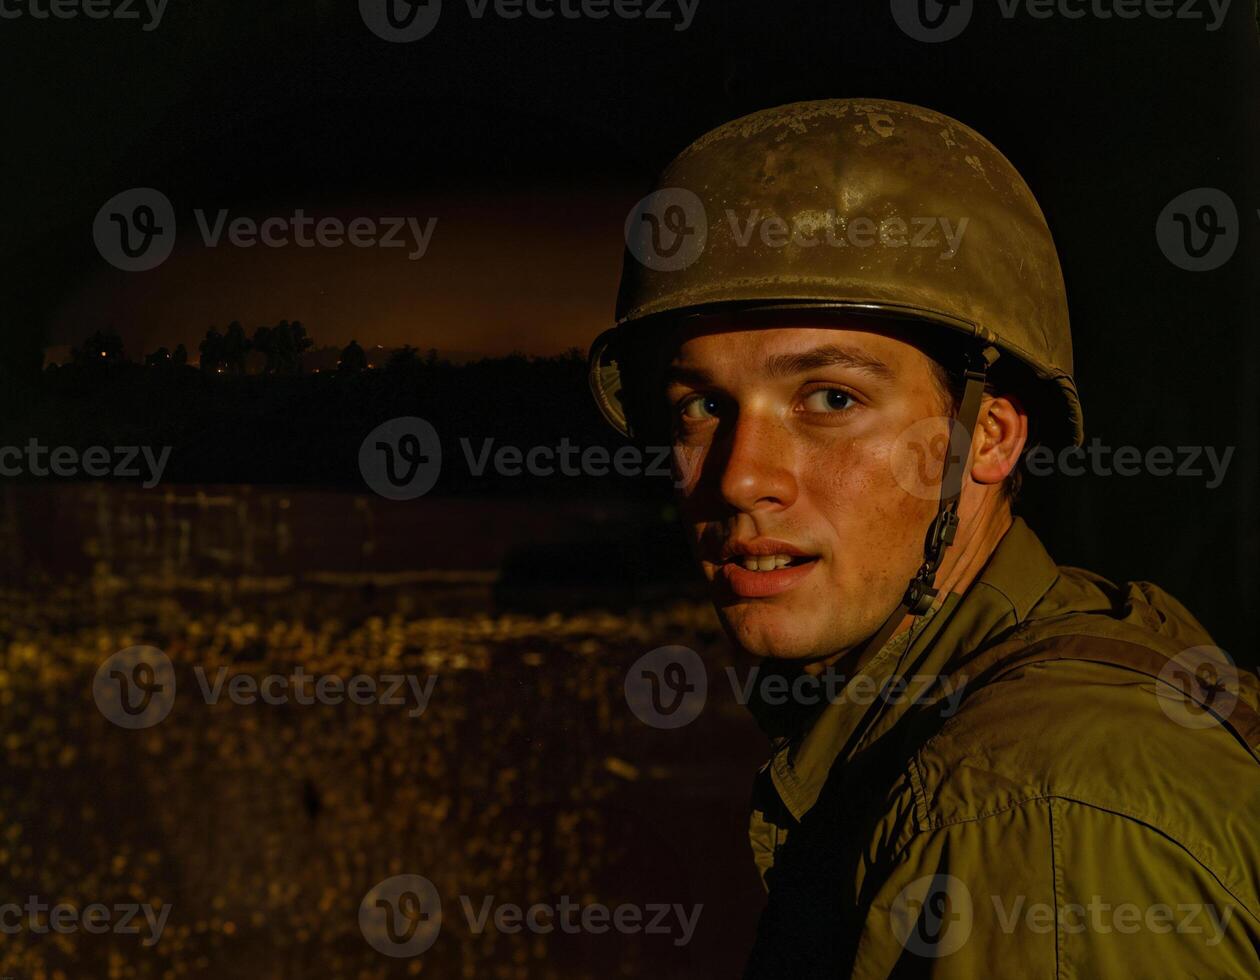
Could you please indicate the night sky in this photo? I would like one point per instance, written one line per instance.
(528, 140)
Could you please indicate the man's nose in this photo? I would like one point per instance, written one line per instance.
(758, 474)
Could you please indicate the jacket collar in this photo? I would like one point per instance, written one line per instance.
(1016, 576)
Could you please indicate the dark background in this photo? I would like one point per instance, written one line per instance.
(265, 548)
(1107, 119)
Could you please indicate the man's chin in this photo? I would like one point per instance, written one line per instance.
(772, 633)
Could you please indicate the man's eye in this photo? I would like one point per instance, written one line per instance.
(698, 408)
(828, 400)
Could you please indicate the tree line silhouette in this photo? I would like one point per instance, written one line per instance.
(249, 411)
(280, 348)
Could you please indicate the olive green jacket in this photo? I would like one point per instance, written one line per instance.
(1031, 800)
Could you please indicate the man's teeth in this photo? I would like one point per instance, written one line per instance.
(766, 563)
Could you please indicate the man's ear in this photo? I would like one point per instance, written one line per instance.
(1001, 433)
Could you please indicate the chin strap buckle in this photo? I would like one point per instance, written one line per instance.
(919, 596)
(942, 533)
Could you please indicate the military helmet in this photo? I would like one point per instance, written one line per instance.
(857, 206)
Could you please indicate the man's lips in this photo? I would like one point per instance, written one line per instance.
(762, 546)
(762, 567)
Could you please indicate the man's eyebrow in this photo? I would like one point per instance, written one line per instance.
(828, 355)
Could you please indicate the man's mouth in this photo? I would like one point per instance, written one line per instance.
(770, 563)
(763, 567)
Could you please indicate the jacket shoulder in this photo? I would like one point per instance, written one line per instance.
(1055, 713)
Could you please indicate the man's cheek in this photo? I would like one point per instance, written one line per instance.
(685, 467)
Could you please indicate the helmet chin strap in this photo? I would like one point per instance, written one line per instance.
(921, 593)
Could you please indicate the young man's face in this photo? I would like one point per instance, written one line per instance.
(791, 443)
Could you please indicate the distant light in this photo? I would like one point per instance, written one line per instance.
(102, 353)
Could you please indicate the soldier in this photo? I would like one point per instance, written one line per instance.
(848, 319)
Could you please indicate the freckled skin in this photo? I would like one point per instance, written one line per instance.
(766, 462)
